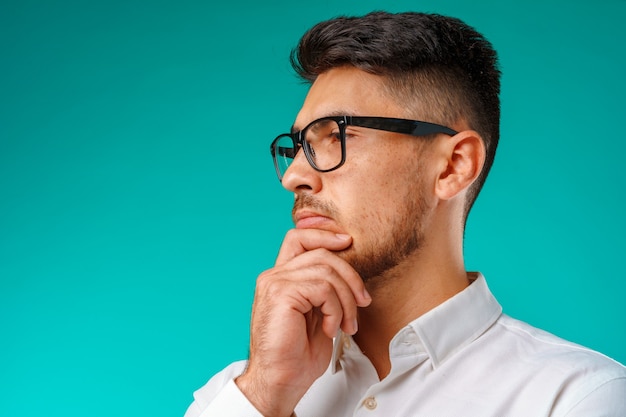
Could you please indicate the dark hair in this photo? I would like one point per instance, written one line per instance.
(435, 64)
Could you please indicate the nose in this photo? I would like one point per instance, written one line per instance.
(301, 175)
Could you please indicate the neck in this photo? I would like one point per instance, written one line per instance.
(402, 295)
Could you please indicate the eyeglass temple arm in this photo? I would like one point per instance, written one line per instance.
(409, 127)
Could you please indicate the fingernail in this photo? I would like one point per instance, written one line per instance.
(355, 326)
(366, 295)
(341, 236)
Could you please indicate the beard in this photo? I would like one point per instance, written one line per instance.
(389, 243)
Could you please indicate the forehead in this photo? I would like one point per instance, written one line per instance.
(347, 91)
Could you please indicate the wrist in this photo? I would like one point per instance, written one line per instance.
(268, 402)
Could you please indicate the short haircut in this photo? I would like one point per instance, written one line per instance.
(437, 65)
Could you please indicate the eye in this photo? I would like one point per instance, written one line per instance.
(335, 134)
(350, 133)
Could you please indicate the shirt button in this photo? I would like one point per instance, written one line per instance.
(370, 403)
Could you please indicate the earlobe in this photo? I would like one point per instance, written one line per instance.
(463, 157)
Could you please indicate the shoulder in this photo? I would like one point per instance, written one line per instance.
(580, 377)
(536, 345)
(544, 366)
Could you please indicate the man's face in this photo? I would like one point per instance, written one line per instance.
(380, 195)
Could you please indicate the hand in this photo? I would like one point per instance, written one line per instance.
(299, 306)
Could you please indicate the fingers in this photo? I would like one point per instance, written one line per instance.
(299, 241)
(330, 298)
(299, 306)
(306, 253)
(326, 265)
(318, 280)
(322, 308)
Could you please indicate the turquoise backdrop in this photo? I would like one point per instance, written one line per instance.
(138, 201)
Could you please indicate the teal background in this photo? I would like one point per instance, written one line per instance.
(138, 201)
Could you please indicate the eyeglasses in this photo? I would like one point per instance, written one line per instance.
(324, 140)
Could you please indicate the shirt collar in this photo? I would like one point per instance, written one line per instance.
(448, 327)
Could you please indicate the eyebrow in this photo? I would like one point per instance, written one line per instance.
(334, 113)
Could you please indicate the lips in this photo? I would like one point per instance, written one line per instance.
(311, 220)
(310, 212)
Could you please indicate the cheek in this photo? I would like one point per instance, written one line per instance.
(372, 186)
(373, 197)
(390, 177)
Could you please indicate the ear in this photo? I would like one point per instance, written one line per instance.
(462, 158)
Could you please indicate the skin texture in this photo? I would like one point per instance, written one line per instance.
(377, 243)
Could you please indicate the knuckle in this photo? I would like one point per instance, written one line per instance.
(263, 279)
(290, 235)
(273, 288)
(269, 283)
(323, 270)
(319, 253)
(325, 288)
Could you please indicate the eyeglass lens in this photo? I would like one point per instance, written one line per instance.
(322, 146)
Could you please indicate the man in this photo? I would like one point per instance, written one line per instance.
(368, 309)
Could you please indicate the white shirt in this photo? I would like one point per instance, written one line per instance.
(463, 358)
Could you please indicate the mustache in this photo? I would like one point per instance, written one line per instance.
(307, 201)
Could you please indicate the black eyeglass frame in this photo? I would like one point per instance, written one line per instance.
(388, 124)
